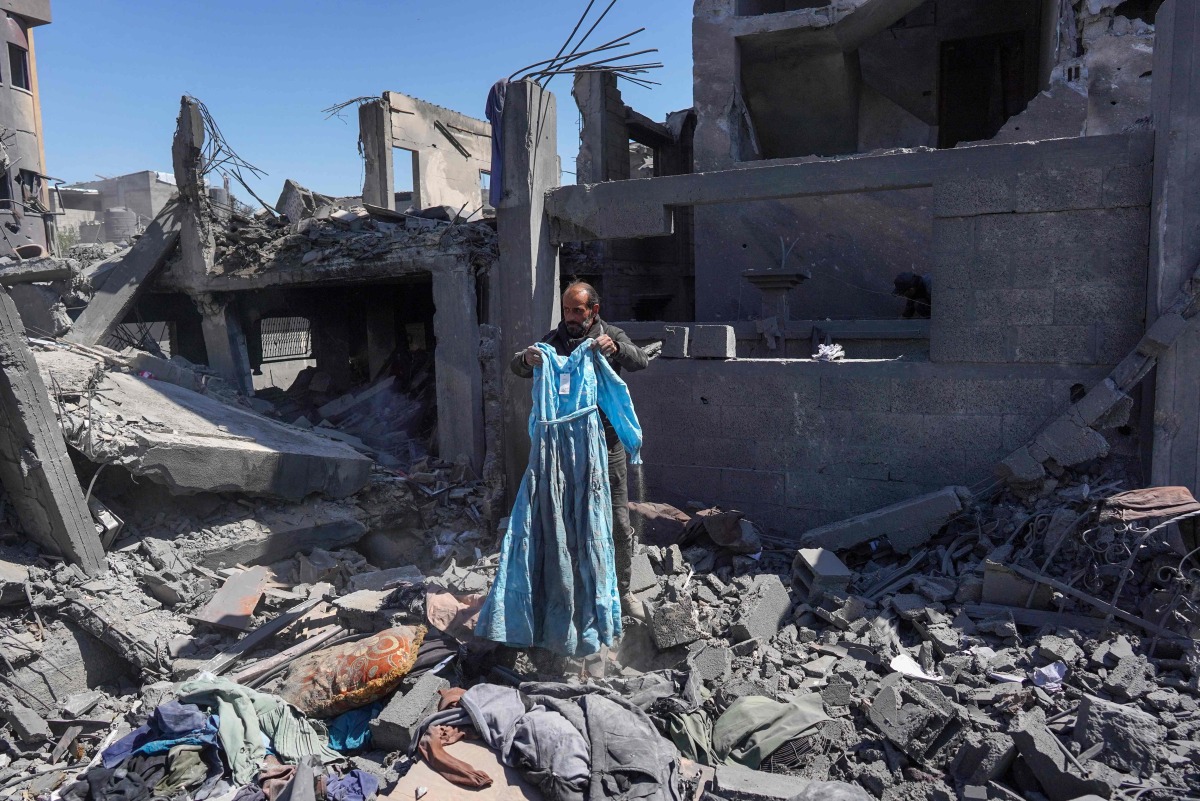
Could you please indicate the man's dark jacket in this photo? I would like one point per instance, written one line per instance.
(628, 356)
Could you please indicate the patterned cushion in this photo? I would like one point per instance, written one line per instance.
(354, 674)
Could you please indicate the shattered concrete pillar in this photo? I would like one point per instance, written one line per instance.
(35, 470)
(1175, 239)
(527, 279)
(197, 245)
(225, 342)
(604, 140)
(456, 359)
(375, 134)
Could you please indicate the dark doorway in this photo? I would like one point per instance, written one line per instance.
(982, 84)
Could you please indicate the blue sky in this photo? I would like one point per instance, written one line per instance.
(111, 74)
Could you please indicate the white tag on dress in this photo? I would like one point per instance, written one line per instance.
(564, 384)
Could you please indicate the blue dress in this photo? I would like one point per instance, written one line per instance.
(556, 587)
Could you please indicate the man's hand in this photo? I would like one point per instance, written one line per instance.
(606, 345)
(532, 357)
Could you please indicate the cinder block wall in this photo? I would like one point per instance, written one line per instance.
(797, 444)
(1043, 263)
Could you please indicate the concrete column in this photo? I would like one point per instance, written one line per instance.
(526, 281)
(381, 334)
(331, 346)
(225, 342)
(1175, 238)
(456, 358)
(197, 245)
(35, 470)
(375, 132)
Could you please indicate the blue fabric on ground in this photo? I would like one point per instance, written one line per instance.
(356, 785)
(556, 586)
(171, 724)
(351, 731)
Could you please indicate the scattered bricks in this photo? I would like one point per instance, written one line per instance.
(713, 664)
(12, 583)
(674, 624)
(837, 693)
(363, 610)
(393, 730)
(1130, 736)
(26, 724)
(846, 612)
(1104, 406)
(819, 668)
(906, 525)
(918, 720)
(945, 638)
(1046, 758)
(819, 570)
(1109, 654)
(983, 758)
(1069, 442)
(643, 576)
(936, 588)
(1021, 468)
(713, 342)
(763, 611)
(673, 560)
(735, 783)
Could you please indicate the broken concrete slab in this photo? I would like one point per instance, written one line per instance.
(905, 525)
(362, 610)
(42, 309)
(713, 342)
(918, 719)
(233, 605)
(1130, 736)
(674, 624)
(194, 443)
(763, 610)
(129, 273)
(736, 783)
(983, 758)
(1069, 442)
(1046, 757)
(26, 724)
(41, 270)
(271, 535)
(393, 730)
(35, 470)
(379, 579)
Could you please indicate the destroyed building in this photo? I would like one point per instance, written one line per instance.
(881, 557)
(24, 187)
(118, 208)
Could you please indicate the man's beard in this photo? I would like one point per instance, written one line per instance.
(579, 329)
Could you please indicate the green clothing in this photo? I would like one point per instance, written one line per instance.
(186, 770)
(754, 727)
(246, 716)
(692, 734)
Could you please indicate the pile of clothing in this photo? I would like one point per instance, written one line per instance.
(218, 737)
(569, 741)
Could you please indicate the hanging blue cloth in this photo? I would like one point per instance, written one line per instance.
(556, 586)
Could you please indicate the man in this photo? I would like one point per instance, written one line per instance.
(580, 321)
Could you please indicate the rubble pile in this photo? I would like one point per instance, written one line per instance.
(334, 234)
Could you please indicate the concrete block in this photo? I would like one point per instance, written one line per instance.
(1045, 757)
(1128, 185)
(26, 724)
(674, 624)
(736, 783)
(953, 237)
(918, 719)
(1069, 442)
(1021, 468)
(856, 394)
(1059, 190)
(763, 610)
(1080, 305)
(12, 583)
(713, 664)
(1131, 737)
(713, 342)
(818, 570)
(968, 197)
(362, 610)
(906, 525)
(984, 759)
(1055, 344)
(393, 730)
(378, 579)
(969, 343)
(1163, 333)
(1008, 306)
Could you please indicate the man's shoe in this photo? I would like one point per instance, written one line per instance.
(632, 606)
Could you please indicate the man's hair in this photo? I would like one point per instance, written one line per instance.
(593, 297)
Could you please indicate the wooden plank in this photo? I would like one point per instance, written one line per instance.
(222, 662)
(125, 281)
(233, 605)
(65, 742)
(264, 666)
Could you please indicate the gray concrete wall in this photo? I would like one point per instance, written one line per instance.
(1042, 264)
(19, 114)
(797, 444)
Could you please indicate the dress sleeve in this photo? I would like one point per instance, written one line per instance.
(612, 396)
